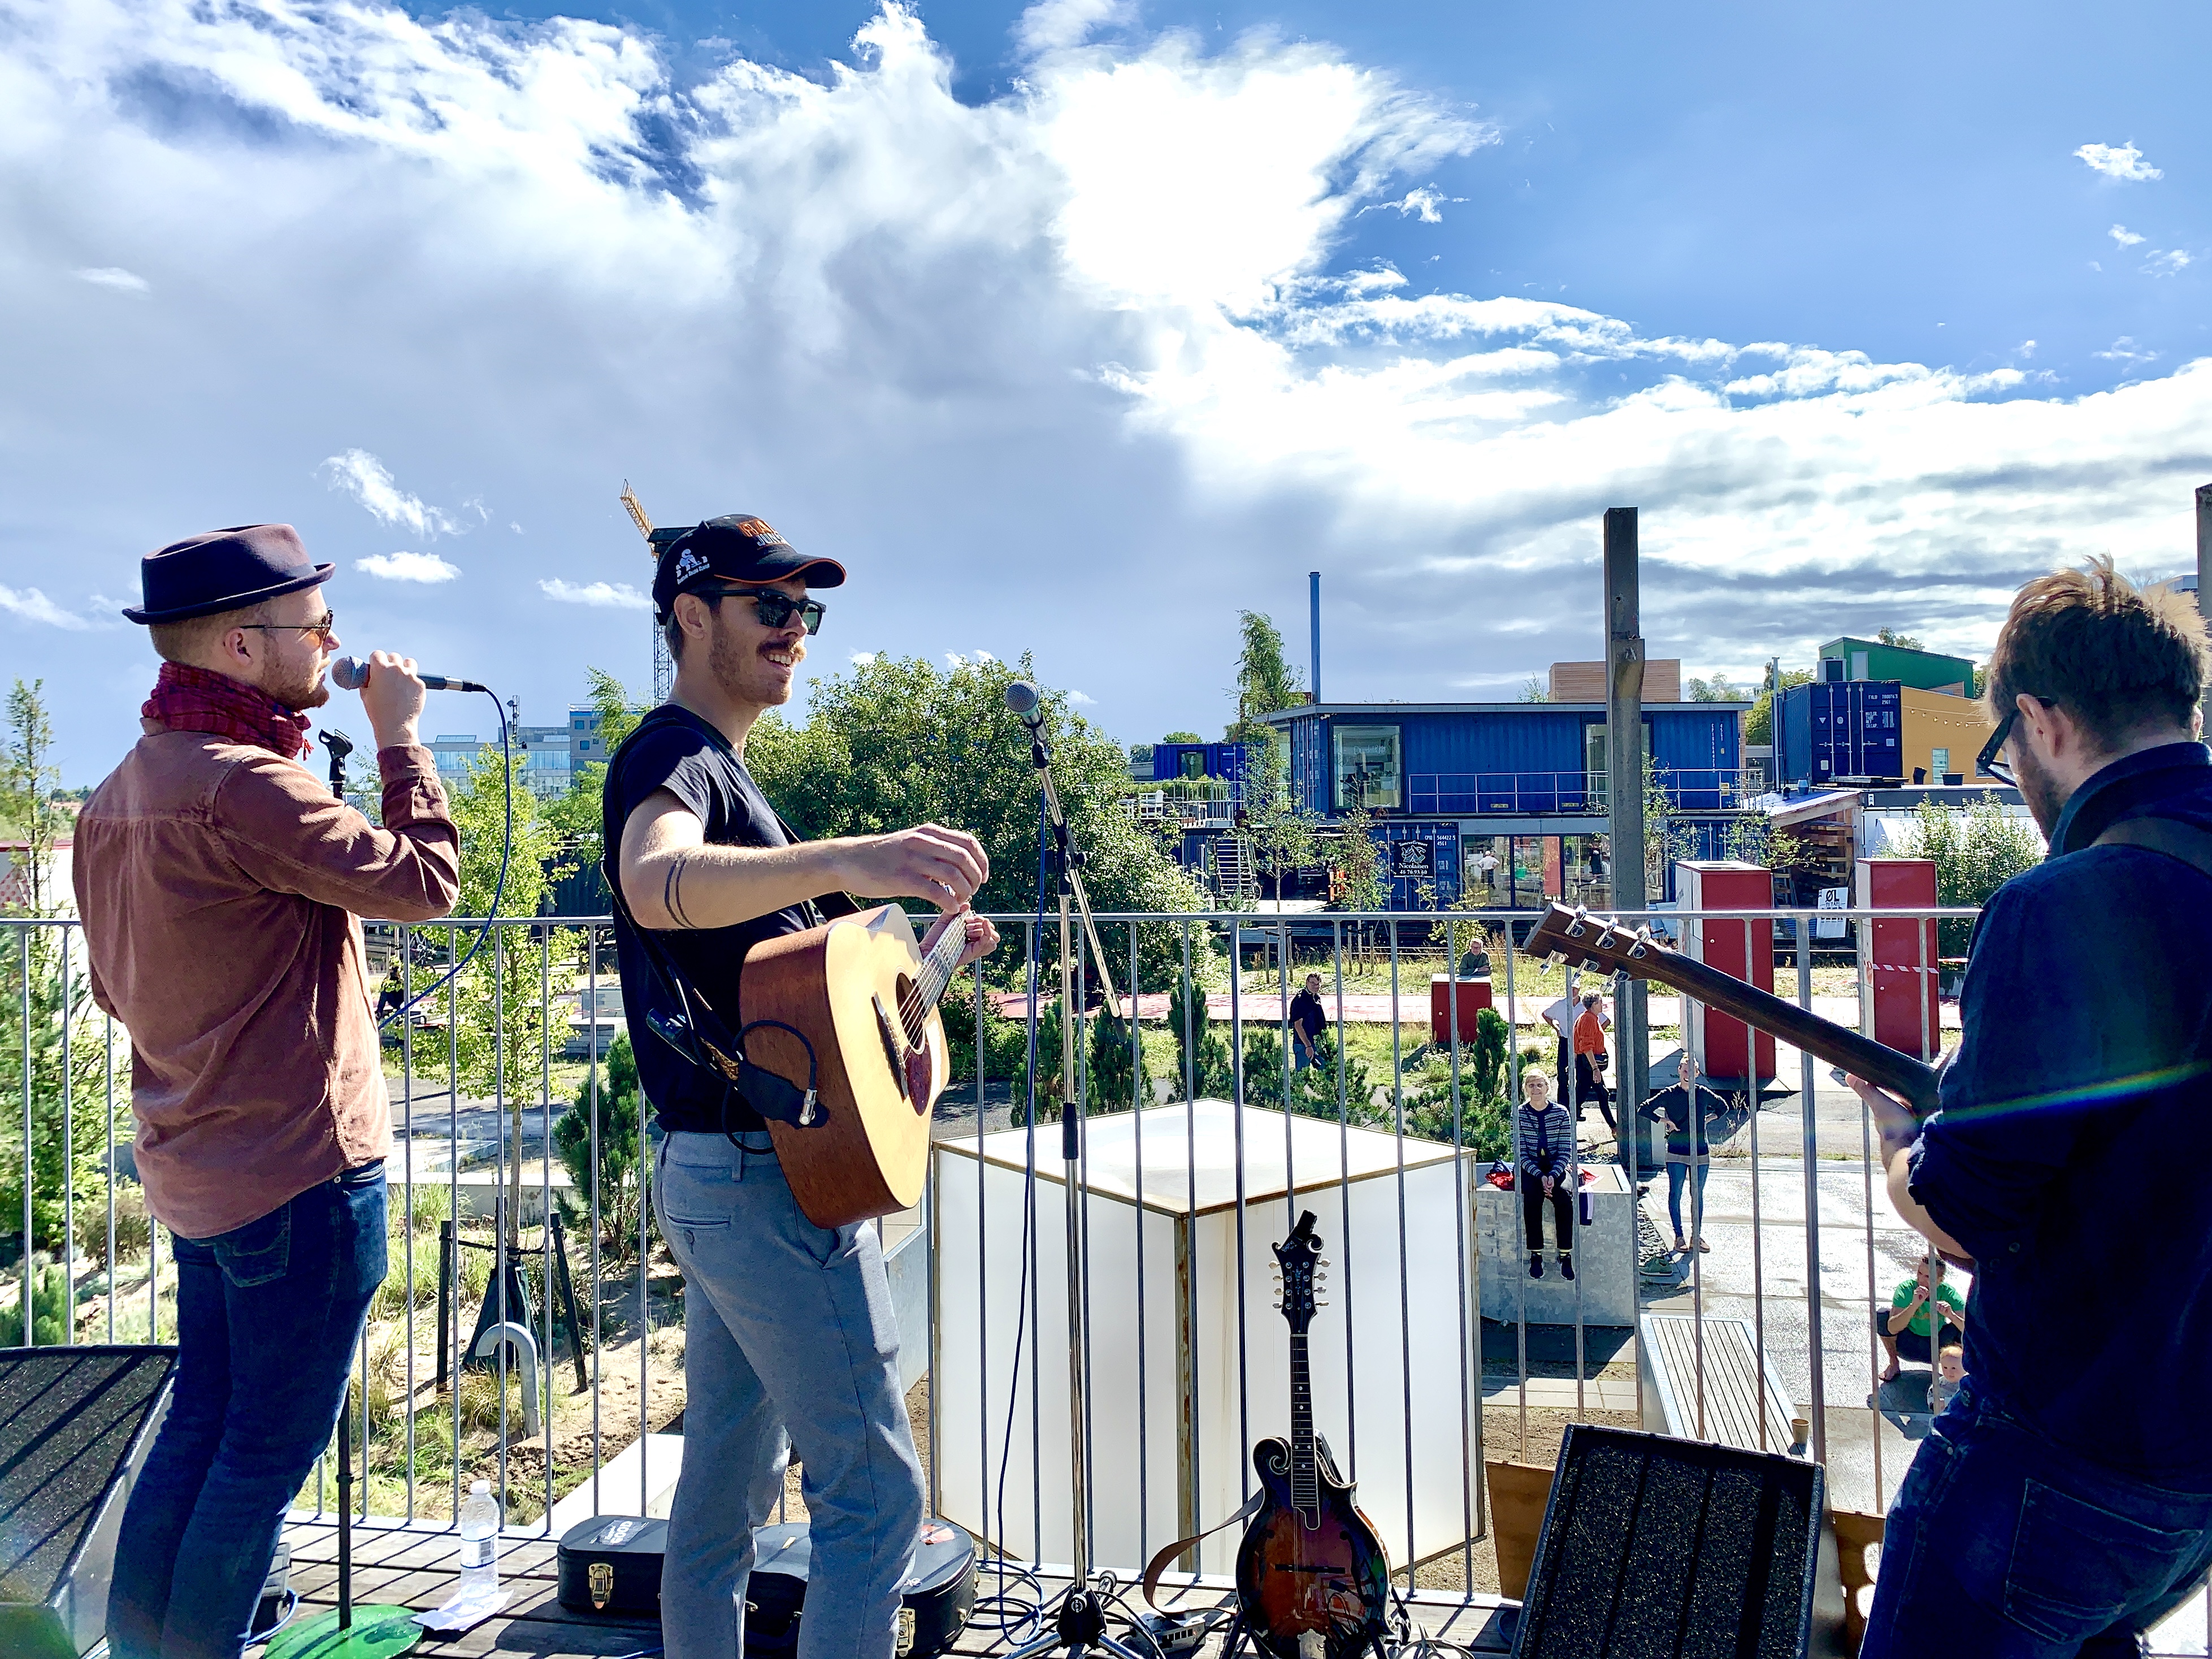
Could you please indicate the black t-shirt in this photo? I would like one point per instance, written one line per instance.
(676, 751)
(1306, 1013)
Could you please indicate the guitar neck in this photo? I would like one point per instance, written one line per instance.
(1839, 1045)
(938, 967)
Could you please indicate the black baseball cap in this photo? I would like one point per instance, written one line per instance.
(734, 548)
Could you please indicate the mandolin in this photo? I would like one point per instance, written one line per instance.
(1587, 942)
(859, 1000)
(1313, 1581)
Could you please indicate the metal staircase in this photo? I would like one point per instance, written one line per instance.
(1234, 880)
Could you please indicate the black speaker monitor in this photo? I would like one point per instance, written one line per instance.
(1655, 1547)
(75, 1427)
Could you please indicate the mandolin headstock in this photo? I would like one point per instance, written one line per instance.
(1297, 1264)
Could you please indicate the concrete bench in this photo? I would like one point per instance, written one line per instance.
(1741, 1390)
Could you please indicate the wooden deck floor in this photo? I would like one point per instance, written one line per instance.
(417, 1567)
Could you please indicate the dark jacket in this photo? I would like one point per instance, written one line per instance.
(2069, 1155)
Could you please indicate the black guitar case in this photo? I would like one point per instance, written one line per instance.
(934, 1602)
(611, 1565)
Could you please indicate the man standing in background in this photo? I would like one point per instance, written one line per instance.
(222, 887)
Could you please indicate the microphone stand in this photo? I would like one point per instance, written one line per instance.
(1079, 1625)
(340, 746)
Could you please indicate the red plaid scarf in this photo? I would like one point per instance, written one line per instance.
(187, 699)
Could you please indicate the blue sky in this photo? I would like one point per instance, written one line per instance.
(1074, 329)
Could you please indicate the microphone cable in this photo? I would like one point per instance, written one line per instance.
(499, 883)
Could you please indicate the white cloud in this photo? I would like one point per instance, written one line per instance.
(407, 567)
(617, 596)
(32, 606)
(1059, 25)
(1106, 319)
(1080, 697)
(1421, 201)
(2171, 263)
(369, 482)
(2119, 161)
(2025, 349)
(862, 658)
(2124, 351)
(2124, 236)
(114, 277)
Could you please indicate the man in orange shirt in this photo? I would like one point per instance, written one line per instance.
(1590, 1059)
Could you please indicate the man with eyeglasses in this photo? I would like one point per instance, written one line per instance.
(2061, 1502)
(790, 1346)
(222, 888)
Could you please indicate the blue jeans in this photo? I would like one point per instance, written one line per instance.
(789, 1344)
(268, 1319)
(2003, 1546)
(1677, 1174)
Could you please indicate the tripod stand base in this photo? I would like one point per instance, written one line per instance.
(376, 1633)
(1078, 1629)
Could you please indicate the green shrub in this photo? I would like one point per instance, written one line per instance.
(622, 1108)
(50, 1309)
(1201, 1053)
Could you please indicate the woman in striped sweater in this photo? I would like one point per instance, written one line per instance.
(1545, 1146)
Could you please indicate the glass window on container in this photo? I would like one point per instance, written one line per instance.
(1367, 766)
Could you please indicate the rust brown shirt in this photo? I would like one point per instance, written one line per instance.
(221, 889)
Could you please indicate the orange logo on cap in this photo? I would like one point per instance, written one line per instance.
(761, 531)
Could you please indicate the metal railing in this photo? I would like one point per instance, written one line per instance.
(1689, 789)
(1205, 1137)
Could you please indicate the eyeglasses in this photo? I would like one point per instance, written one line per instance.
(775, 608)
(1986, 763)
(326, 625)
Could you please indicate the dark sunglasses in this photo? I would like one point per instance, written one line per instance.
(773, 607)
(327, 625)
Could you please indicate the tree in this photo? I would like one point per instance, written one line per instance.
(1265, 683)
(899, 741)
(1358, 865)
(1201, 1057)
(1719, 689)
(575, 816)
(1183, 736)
(621, 1108)
(1902, 642)
(1533, 689)
(1976, 849)
(54, 1046)
(28, 779)
(1758, 719)
(1277, 828)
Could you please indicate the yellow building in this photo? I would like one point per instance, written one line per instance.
(1942, 734)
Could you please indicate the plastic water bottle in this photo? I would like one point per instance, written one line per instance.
(479, 1540)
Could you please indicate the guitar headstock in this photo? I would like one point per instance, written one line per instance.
(1299, 1269)
(1588, 944)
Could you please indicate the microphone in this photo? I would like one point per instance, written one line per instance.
(351, 673)
(1021, 697)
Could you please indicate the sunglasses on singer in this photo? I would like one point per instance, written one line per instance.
(776, 609)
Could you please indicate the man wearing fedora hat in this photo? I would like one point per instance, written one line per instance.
(222, 887)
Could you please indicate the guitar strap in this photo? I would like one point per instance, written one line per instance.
(2177, 840)
(1159, 1563)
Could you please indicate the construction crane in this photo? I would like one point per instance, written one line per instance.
(664, 670)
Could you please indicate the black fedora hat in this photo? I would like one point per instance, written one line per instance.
(223, 570)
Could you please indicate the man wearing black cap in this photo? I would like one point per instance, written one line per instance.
(789, 1341)
(221, 888)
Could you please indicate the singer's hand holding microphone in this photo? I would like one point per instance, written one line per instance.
(391, 691)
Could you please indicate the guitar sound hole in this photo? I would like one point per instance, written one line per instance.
(910, 1020)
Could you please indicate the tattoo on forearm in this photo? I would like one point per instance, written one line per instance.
(672, 891)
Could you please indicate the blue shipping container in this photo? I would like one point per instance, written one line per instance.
(1851, 731)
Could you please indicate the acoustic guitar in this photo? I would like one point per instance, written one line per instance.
(1313, 1581)
(863, 998)
(1589, 944)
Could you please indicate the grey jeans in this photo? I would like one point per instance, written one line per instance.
(790, 1346)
